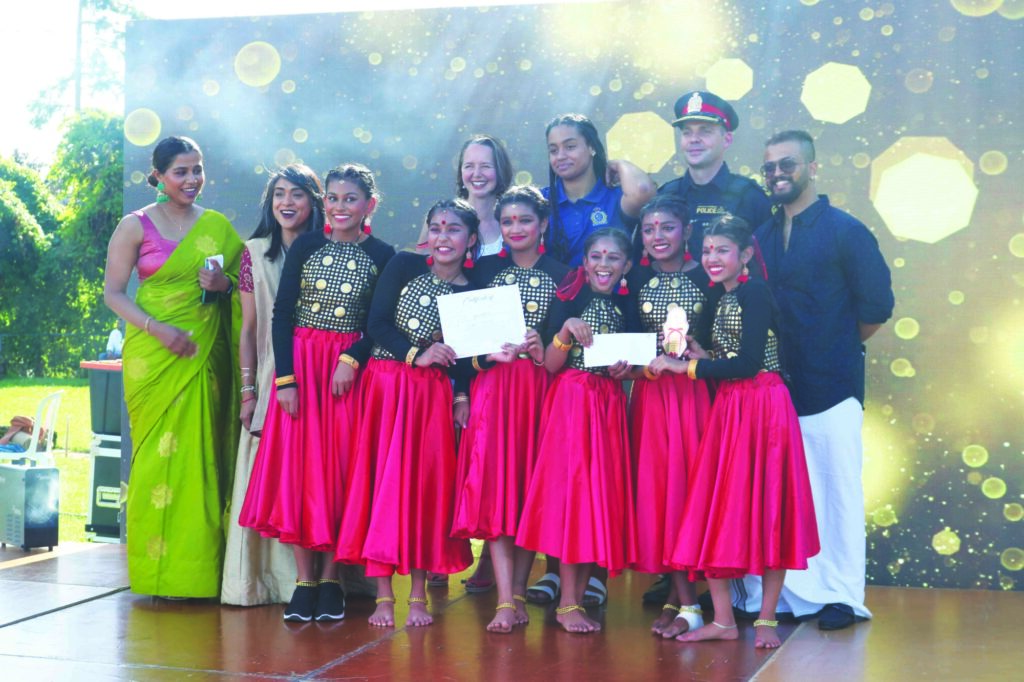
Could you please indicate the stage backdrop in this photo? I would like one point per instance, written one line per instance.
(916, 109)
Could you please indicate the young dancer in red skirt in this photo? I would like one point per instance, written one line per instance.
(748, 507)
(667, 413)
(579, 507)
(399, 512)
(499, 446)
(297, 488)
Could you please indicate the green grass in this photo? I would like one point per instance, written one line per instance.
(74, 435)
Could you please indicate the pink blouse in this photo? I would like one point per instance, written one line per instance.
(155, 248)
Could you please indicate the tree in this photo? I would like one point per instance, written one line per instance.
(99, 59)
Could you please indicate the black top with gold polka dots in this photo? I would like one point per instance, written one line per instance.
(658, 292)
(744, 334)
(326, 285)
(404, 309)
(605, 314)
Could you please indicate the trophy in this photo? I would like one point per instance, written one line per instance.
(673, 332)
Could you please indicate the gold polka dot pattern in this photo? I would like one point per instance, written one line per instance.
(604, 317)
(664, 292)
(536, 291)
(416, 315)
(727, 328)
(336, 287)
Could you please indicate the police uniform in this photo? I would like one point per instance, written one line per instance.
(726, 192)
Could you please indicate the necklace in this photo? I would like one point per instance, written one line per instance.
(172, 220)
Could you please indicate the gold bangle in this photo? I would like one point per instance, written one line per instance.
(349, 360)
(561, 345)
(145, 326)
(410, 357)
(476, 363)
(649, 374)
(281, 381)
(691, 369)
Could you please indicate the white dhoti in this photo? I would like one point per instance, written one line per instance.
(835, 457)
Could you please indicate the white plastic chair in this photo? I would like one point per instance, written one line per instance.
(46, 418)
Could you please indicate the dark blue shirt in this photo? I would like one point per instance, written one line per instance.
(602, 207)
(726, 193)
(831, 278)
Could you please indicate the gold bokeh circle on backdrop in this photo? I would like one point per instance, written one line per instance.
(835, 92)
(644, 138)
(904, 179)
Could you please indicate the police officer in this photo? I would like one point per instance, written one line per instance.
(706, 123)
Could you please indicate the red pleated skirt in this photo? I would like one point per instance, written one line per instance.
(667, 418)
(398, 513)
(579, 506)
(749, 507)
(498, 449)
(297, 487)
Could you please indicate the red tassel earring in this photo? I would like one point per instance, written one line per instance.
(366, 226)
(686, 253)
(644, 260)
(468, 263)
(744, 276)
(430, 260)
(503, 253)
(623, 288)
(327, 228)
(541, 249)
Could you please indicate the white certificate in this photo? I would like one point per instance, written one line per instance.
(482, 321)
(607, 349)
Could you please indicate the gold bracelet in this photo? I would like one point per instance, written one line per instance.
(691, 369)
(649, 374)
(410, 357)
(145, 326)
(349, 360)
(561, 345)
(476, 363)
(281, 381)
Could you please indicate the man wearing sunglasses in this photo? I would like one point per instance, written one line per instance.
(834, 291)
(706, 123)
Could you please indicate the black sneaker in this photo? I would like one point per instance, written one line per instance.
(837, 617)
(330, 602)
(300, 608)
(657, 593)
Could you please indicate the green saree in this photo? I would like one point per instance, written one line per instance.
(184, 422)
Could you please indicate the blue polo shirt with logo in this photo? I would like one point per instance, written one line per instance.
(602, 207)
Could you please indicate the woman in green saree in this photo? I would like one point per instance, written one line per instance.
(179, 381)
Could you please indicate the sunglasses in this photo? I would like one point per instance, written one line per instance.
(786, 165)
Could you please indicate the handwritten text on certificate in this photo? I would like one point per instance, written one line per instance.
(482, 321)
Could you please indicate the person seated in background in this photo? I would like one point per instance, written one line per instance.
(18, 435)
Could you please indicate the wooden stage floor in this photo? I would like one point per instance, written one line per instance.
(69, 615)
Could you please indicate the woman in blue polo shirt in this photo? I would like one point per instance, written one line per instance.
(586, 190)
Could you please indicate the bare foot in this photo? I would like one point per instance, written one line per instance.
(577, 621)
(522, 615)
(709, 632)
(766, 638)
(418, 615)
(504, 621)
(664, 621)
(384, 615)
